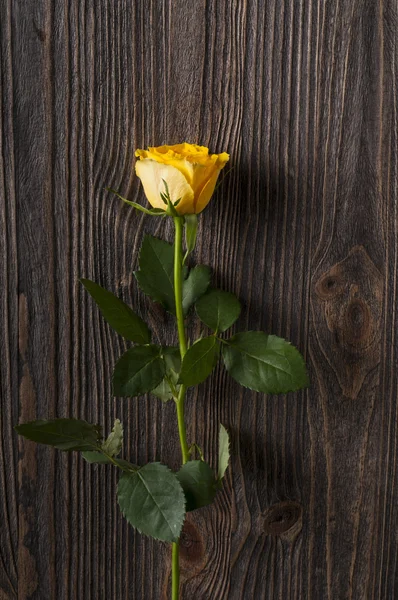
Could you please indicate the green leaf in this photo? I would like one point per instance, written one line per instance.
(113, 444)
(152, 500)
(119, 316)
(195, 286)
(138, 371)
(156, 271)
(199, 361)
(198, 482)
(64, 434)
(218, 310)
(163, 391)
(172, 358)
(191, 230)
(94, 457)
(264, 363)
(223, 452)
(97, 458)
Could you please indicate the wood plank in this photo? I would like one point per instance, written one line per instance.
(304, 229)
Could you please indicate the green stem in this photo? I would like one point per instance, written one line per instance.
(178, 262)
(181, 425)
(175, 572)
(178, 223)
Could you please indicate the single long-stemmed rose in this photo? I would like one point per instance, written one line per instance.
(179, 182)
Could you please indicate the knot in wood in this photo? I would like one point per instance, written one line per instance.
(284, 518)
(329, 286)
(350, 297)
(359, 327)
(192, 548)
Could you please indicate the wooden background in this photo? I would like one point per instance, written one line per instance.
(303, 95)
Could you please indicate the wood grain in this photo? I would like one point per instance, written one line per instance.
(303, 95)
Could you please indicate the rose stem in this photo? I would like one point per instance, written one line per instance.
(178, 223)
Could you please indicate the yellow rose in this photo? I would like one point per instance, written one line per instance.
(189, 170)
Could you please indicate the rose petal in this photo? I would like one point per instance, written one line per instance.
(206, 193)
(152, 174)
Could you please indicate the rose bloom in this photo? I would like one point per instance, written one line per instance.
(190, 172)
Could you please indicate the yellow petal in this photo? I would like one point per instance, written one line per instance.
(183, 149)
(186, 206)
(201, 175)
(152, 174)
(222, 160)
(168, 158)
(182, 165)
(191, 153)
(206, 193)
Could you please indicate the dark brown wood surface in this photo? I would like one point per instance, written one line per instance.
(303, 95)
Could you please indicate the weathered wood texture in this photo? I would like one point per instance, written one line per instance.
(303, 94)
